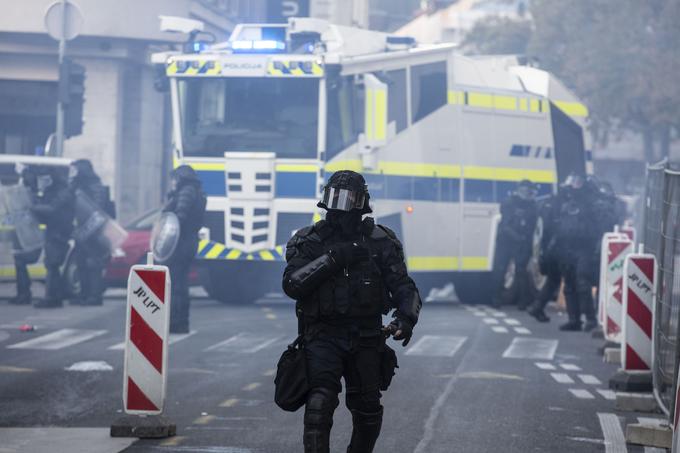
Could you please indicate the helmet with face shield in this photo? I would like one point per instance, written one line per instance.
(346, 191)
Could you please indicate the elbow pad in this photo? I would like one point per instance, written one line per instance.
(306, 279)
(409, 307)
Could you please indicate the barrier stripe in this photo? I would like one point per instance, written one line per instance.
(137, 400)
(634, 361)
(146, 340)
(155, 281)
(638, 311)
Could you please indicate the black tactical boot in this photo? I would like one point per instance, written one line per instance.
(22, 299)
(571, 326)
(365, 432)
(539, 314)
(590, 325)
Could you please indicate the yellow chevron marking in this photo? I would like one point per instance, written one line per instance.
(266, 255)
(234, 254)
(215, 251)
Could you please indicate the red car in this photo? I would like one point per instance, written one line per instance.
(133, 251)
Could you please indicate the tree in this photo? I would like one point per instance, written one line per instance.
(496, 35)
(620, 56)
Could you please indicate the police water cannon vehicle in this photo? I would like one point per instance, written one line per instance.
(266, 117)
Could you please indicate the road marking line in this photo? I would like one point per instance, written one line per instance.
(570, 367)
(490, 321)
(499, 329)
(57, 340)
(545, 366)
(15, 369)
(562, 378)
(428, 433)
(270, 316)
(204, 419)
(174, 338)
(589, 379)
(436, 346)
(607, 394)
(243, 343)
(582, 394)
(479, 313)
(252, 386)
(531, 348)
(498, 314)
(231, 402)
(271, 372)
(173, 441)
(614, 440)
(522, 330)
(512, 322)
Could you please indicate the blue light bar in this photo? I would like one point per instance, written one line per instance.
(269, 44)
(258, 46)
(242, 45)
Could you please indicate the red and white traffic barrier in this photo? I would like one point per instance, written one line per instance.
(604, 249)
(617, 250)
(146, 339)
(639, 285)
(630, 232)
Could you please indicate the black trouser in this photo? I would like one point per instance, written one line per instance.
(357, 359)
(91, 259)
(55, 254)
(576, 267)
(507, 251)
(552, 284)
(180, 266)
(21, 262)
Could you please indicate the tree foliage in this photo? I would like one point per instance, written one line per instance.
(498, 36)
(621, 56)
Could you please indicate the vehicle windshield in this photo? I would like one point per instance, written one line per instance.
(249, 114)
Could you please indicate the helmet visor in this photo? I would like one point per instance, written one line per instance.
(342, 199)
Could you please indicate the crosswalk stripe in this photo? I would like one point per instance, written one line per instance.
(522, 330)
(512, 322)
(614, 440)
(545, 366)
(607, 394)
(582, 394)
(562, 378)
(589, 379)
(570, 367)
(531, 348)
(436, 346)
(243, 342)
(490, 321)
(499, 329)
(59, 339)
(174, 338)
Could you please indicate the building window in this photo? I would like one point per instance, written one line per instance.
(428, 89)
(396, 98)
(345, 114)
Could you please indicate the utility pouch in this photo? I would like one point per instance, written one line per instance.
(388, 363)
(290, 384)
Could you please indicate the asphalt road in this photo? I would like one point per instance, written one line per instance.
(473, 379)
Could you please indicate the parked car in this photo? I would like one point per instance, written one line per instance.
(133, 251)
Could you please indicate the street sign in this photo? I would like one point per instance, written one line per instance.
(146, 339)
(63, 20)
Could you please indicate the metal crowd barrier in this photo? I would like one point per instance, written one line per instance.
(661, 237)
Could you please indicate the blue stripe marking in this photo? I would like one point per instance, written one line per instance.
(295, 185)
(214, 183)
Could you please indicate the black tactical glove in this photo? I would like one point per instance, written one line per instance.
(349, 253)
(401, 329)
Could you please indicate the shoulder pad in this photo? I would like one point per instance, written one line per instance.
(383, 232)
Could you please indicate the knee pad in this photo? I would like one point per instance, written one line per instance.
(321, 403)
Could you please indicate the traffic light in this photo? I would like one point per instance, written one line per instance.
(71, 95)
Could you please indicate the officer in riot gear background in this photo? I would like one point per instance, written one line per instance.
(186, 200)
(55, 208)
(345, 273)
(514, 242)
(22, 259)
(91, 254)
(577, 238)
(549, 264)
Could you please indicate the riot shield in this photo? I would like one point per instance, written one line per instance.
(94, 225)
(164, 237)
(18, 220)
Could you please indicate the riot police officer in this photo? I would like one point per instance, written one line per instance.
(514, 242)
(344, 273)
(186, 200)
(548, 259)
(91, 253)
(55, 208)
(577, 239)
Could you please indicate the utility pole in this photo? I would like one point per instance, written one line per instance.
(60, 101)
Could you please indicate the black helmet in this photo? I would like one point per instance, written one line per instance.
(574, 181)
(526, 190)
(184, 174)
(346, 191)
(81, 170)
